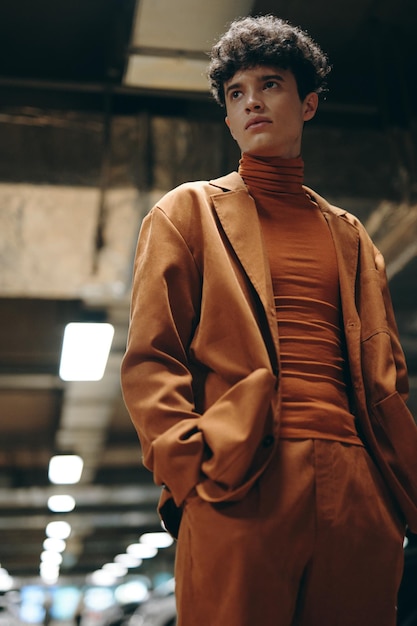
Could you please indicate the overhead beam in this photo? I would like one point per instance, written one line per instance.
(85, 495)
(83, 522)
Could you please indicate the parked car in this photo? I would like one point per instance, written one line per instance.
(159, 609)
(119, 614)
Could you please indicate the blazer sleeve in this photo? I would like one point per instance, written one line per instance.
(402, 384)
(155, 375)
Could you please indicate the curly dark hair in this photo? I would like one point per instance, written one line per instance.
(267, 40)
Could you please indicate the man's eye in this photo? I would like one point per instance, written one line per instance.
(235, 94)
(270, 84)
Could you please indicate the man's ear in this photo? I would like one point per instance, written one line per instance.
(226, 119)
(310, 105)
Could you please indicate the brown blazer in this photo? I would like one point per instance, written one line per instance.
(201, 372)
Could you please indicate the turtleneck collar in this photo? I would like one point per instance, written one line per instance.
(272, 174)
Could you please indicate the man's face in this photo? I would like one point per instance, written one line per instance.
(264, 112)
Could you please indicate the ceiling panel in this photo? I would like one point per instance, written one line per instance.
(165, 25)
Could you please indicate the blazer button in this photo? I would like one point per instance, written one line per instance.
(268, 441)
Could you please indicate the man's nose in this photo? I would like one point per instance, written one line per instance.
(254, 102)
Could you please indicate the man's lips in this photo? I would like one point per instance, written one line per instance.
(257, 120)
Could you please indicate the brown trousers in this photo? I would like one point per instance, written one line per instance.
(316, 542)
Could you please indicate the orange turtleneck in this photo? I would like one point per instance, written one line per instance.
(306, 292)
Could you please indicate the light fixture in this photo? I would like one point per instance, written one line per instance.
(58, 530)
(128, 560)
(102, 578)
(117, 569)
(54, 545)
(85, 350)
(61, 503)
(157, 540)
(51, 558)
(65, 469)
(141, 551)
(49, 572)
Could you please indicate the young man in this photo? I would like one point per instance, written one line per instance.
(264, 372)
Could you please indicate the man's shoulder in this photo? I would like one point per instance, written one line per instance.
(190, 206)
(328, 207)
(194, 200)
(200, 189)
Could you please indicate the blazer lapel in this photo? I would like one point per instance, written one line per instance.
(237, 213)
(346, 241)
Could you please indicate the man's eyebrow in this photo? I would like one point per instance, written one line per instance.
(276, 76)
(232, 87)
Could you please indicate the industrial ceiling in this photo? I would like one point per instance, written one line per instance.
(69, 68)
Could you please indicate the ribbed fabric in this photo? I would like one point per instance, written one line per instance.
(307, 301)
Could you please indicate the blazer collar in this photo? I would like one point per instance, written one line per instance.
(230, 182)
(346, 242)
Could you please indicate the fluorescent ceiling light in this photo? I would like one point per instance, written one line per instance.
(141, 551)
(102, 578)
(65, 469)
(54, 545)
(58, 530)
(117, 569)
(49, 572)
(128, 560)
(85, 350)
(51, 558)
(61, 503)
(157, 540)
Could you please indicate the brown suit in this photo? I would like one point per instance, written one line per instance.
(201, 371)
(201, 381)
